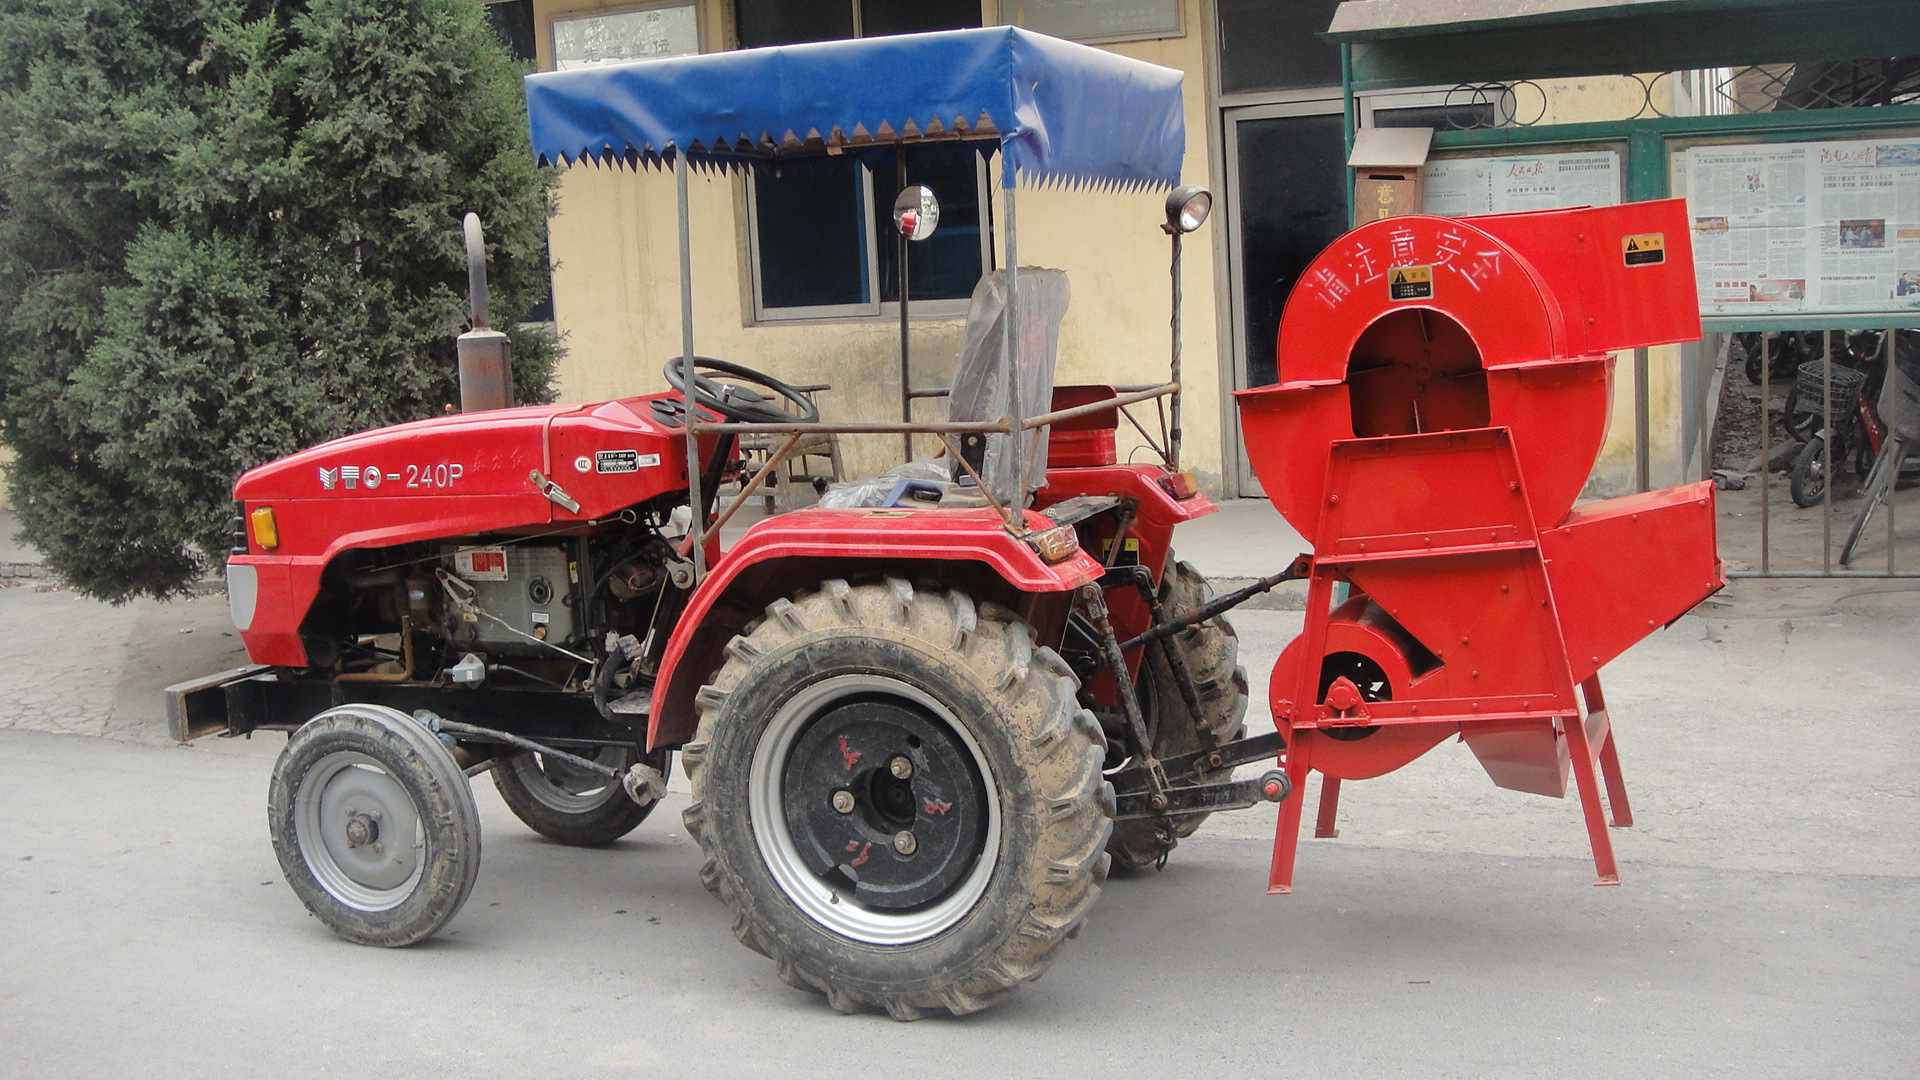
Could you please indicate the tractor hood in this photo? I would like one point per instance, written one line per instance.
(467, 454)
(602, 456)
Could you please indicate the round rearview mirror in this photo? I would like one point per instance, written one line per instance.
(1187, 207)
(916, 213)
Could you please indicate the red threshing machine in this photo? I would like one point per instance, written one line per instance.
(1443, 395)
(919, 733)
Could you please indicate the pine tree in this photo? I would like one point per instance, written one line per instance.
(230, 229)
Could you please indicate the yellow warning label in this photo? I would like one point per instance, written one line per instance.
(889, 514)
(1410, 282)
(1647, 249)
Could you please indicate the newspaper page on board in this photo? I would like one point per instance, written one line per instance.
(1787, 228)
(1456, 187)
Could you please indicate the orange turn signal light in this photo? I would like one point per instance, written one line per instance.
(1181, 485)
(266, 532)
(1056, 544)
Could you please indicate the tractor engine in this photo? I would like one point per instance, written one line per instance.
(475, 609)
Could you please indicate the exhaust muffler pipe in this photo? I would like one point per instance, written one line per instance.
(486, 376)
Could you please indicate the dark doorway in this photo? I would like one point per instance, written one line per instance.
(1288, 180)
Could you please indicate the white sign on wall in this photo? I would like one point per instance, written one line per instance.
(1812, 227)
(1456, 187)
(618, 37)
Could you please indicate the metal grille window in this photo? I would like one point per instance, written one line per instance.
(789, 22)
(820, 230)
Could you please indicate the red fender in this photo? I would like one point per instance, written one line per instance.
(882, 539)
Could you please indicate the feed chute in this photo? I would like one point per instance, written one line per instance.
(1443, 395)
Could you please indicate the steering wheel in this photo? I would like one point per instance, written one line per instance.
(740, 402)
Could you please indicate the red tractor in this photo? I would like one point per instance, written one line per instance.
(920, 730)
(917, 733)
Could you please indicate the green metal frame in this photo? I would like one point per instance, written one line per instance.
(1409, 47)
(1405, 43)
(1649, 146)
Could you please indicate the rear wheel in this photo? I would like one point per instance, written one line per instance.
(1212, 653)
(898, 797)
(568, 804)
(374, 825)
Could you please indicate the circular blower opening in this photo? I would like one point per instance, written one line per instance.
(1416, 370)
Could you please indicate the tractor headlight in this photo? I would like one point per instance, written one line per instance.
(1187, 208)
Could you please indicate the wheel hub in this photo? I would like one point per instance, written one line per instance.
(350, 806)
(878, 794)
(361, 829)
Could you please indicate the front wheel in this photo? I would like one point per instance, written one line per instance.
(1808, 484)
(374, 825)
(898, 797)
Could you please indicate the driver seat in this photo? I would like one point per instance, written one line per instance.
(981, 384)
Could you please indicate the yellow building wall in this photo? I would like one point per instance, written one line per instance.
(617, 301)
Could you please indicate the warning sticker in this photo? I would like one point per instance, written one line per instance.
(622, 461)
(1410, 283)
(1129, 552)
(1647, 249)
(481, 564)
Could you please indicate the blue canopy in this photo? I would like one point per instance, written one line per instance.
(1061, 112)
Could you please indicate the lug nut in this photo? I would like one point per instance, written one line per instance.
(900, 767)
(843, 801)
(904, 843)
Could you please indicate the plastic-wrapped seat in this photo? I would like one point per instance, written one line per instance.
(983, 385)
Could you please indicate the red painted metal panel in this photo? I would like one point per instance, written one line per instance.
(1613, 297)
(1471, 278)
(853, 536)
(1631, 565)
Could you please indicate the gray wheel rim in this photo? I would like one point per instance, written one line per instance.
(359, 832)
(823, 901)
(566, 789)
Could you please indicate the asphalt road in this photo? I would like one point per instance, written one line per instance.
(1769, 923)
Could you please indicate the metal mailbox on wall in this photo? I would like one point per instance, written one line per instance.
(1388, 172)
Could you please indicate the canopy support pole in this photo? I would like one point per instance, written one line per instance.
(906, 370)
(696, 515)
(1015, 410)
(1173, 436)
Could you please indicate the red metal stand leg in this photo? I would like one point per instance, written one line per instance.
(1329, 807)
(1589, 784)
(1286, 836)
(1609, 757)
(1616, 787)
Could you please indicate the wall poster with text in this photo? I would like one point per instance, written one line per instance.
(1804, 228)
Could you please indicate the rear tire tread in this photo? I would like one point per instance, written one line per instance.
(1068, 795)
